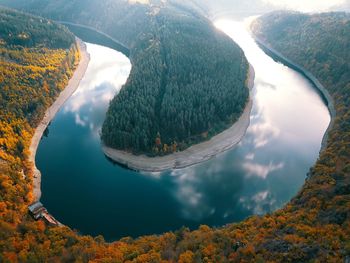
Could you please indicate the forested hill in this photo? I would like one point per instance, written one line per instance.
(322, 41)
(313, 227)
(118, 18)
(188, 83)
(188, 80)
(37, 58)
(14, 31)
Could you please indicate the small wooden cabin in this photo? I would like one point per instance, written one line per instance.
(37, 210)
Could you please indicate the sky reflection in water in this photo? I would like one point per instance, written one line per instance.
(260, 175)
(288, 121)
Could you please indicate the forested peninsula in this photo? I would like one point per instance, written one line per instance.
(188, 81)
(189, 84)
(313, 227)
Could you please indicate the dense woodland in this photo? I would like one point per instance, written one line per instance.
(35, 66)
(313, 227)
(188, 80)
(188, 83)
(37, 58)
(117, 18)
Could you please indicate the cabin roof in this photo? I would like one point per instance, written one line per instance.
(35, 207)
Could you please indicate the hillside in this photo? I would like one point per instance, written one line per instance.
(188, 81)
(323, 41)
(115, 17)
(313, 227)
(37, 58)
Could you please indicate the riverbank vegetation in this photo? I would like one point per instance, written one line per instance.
(37, 58)
(313, 227)
(188, 80)
(188, 84)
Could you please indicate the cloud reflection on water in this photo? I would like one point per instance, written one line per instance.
(107, 72)
(242, 181)
(249, 179)
(260, 175)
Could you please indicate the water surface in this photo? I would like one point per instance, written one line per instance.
(85, 191)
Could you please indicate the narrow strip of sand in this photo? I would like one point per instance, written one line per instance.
(195, 154)
(72, 86)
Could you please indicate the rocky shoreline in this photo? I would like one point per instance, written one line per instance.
(50, 113)
(193, 155)
(315, 82)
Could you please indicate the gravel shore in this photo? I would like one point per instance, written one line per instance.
(195, 154)
(72, 86)
(307, 74)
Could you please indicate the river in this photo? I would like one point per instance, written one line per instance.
(87, 192)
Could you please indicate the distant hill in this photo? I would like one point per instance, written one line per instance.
(188, 79)
(117, 18)
(313, 227)
(321, 43)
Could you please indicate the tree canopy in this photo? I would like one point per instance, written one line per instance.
(313, 227)
(187, 84)
(188, 79)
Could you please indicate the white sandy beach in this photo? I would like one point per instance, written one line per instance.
(72, 86)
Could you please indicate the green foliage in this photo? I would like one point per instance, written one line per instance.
(313, 227)
(27, 31)
(188, 81)
(323, 42)
(32, 73)
(117, 18)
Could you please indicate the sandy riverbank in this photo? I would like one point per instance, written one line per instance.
(72, 86)
(195, 154)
